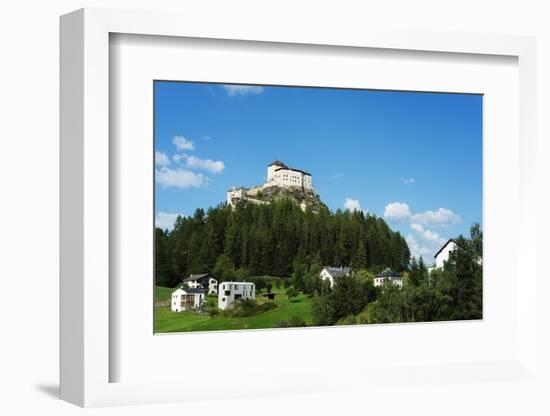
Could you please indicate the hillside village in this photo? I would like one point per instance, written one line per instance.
(289, 276)
(191, 294)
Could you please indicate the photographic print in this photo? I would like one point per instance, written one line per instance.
(288, 206)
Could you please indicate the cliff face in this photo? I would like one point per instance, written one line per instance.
(304, 198)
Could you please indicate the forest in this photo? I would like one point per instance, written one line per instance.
(454, 292)
(274, 239)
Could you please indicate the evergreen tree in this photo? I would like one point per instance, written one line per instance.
(275, 239)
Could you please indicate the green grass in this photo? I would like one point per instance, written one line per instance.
(162, 293)
(168, 321)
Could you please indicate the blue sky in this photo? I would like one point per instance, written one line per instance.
(413, 158)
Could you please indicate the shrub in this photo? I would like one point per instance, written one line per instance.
(248, 307)
(348, 320)
(291, 293)
(212, 311)
(293, 322)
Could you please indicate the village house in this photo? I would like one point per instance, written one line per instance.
(442, 255)
(389, 276)
(332, 273)
(184, 299)
(230, 292)
(203, 281)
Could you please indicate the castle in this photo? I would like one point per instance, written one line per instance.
(278, 175)
(281, 175)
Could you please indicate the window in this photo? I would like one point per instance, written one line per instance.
(227, 293)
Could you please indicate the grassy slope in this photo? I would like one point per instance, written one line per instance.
(168, 321)
(162, 293)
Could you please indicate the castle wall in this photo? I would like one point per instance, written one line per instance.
(234, 195)
(289, 177)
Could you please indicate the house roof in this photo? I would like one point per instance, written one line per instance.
(387, 272)
(194, 277)
(338, 271)
(238, 283)
(191, 291)
(450, 240)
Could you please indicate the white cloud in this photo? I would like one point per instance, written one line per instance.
(352, 204)
(337, 176)
(165, 220)
(425, 242)
(182, 143)
(427, 234)
(408, 181)
(161, 159)
(215, 166)
(441, 217)
(234, 90)
(397, 211)
(179, 156)
(179, 178)
(193, 162)
(419, 249)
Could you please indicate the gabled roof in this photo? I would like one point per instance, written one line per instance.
(450, 240)
(191, 291)
(338, 271)
(387, 272)
(194, 277)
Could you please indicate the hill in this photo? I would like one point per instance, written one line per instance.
(274, 237)
(304, 198)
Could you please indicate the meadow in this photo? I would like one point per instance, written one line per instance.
(168, 321)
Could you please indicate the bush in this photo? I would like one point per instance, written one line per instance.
(212, 311)
(348, 320)
(293, 322)
(291, 293)
(248, 307)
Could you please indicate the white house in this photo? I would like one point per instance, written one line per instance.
(443, 254)
(230, 292)
(331, 273)
(390, 276)
(203, 281)
(184, 299)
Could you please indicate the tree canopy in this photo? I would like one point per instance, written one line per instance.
(274, 239)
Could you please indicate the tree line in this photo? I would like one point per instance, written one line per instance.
(274, 239)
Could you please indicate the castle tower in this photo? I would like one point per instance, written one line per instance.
(272, 167)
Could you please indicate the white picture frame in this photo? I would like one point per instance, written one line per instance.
(85, 353)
